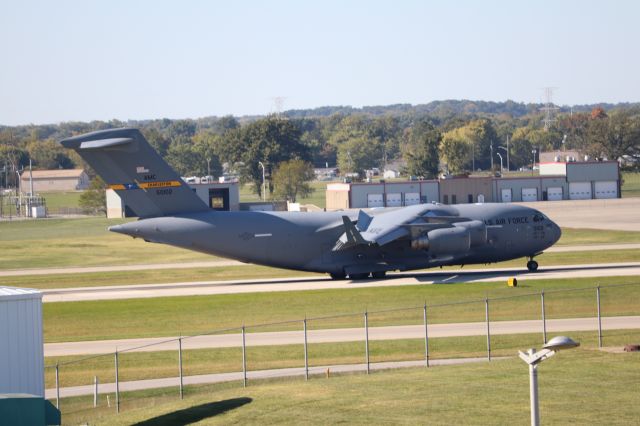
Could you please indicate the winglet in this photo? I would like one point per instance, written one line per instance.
(363, 221)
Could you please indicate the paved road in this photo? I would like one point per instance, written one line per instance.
(228, 262)
(251, 375)
(339, 335)
(622, 214)
(314, 283)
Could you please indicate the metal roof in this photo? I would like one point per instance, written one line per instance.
(52, 174)
(17, 293)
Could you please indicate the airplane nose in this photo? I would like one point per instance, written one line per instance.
(557, 232)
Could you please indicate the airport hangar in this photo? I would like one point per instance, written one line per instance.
(558, 180)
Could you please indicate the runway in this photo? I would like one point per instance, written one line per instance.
(338, 335)
(434, 276)
(228, 262)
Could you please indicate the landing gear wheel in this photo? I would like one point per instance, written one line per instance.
(378, 274)
(337, 275)
(532, 266)
(362, 276)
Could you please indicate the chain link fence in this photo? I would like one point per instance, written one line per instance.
(424, 334)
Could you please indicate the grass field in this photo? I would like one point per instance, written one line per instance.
(86, 242)
(59, 201)
(188, 315)
(581, 386)
(75, 371)
(317, 196)
(630, 184)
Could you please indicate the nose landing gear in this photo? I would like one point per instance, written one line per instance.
(532, 265)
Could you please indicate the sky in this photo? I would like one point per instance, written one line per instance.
(101, 60)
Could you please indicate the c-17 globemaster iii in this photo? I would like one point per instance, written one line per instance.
(353, 243)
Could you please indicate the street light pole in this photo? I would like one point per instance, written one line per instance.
(264, 195)
(498, 154)
(534, 358)
(492, 157)
(533, 164)
(208, 167)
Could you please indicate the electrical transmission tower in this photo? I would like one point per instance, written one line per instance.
(549, 108)
(278, 103)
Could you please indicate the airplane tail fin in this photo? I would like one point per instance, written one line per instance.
(148, 186)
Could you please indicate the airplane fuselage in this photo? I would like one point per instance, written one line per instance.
(305, 241)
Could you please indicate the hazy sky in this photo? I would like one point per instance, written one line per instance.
(86, 60)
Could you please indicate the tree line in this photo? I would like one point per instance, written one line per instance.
(442, 137)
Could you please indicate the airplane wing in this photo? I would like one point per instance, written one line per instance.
(387, 226)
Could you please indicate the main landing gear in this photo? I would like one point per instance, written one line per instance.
(532, 265)
(362, 276)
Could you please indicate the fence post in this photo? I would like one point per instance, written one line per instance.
(544, 319)
(486, 314)
(366, 338)
(95, 391)
(426, 334)
(599, 317)
(244, 358)
(306, 352)
(57, 386)
(180, 366)
(117, 385)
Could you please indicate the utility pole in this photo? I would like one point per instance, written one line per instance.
(492, 157)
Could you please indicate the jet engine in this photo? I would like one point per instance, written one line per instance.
(457, 239)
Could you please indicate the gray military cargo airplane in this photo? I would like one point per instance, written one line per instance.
(357, 244)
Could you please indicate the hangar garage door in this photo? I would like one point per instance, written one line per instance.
(529, 194)
(411, 198)
(506, 195)
(554, 193)
(580, 190)
(607, 189)
(375, 200)
(394, 200)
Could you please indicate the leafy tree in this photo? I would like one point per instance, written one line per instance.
(157, 140)
(359, 153)
(94, 200)
(48, 154)
(270, 141)
(421, 152)
(614, 136)
(291, 179)
(186, 160)
(455, 150)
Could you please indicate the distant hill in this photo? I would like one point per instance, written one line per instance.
(449, 108)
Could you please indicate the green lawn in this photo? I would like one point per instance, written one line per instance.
(317, 196)
(78, 370)
(630, 184)
(79, 242)
(59, 201)
(188, 315)
(581, 386)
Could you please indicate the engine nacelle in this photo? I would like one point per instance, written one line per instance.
(477, 231)
(452, 240)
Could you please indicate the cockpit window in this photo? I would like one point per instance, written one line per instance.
(539, 217)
